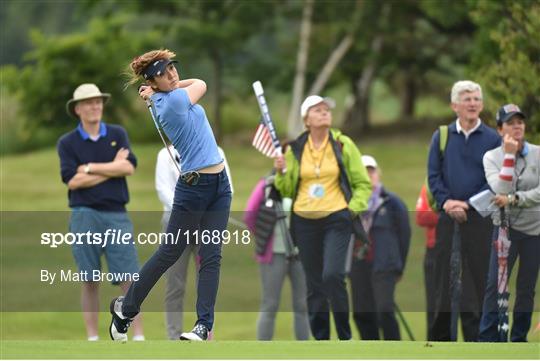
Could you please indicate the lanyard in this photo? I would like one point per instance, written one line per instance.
(311, 151)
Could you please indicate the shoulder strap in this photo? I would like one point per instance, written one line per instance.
(339, 144)
(443, 138)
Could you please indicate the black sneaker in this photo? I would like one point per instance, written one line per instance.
(119, 323)
(199, 333)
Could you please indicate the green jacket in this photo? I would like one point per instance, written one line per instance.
(353, 179)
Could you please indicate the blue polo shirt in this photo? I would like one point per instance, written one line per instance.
(459, 172)
(187, 128)
(76, 148)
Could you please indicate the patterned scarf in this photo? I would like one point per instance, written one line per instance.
(374, 203)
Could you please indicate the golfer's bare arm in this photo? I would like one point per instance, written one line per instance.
(83, 180)
(195, 89)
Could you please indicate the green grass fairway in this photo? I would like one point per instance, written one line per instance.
(265, 350)
(49, 320)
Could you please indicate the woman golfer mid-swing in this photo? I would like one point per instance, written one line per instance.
(202, 196)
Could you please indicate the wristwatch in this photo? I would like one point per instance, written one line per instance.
(87, 168)
(513, 199)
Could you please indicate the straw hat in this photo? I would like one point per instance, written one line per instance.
(85, 91)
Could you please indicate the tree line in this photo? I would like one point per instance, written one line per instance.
(417, 48)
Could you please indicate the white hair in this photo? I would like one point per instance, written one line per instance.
(464, 86)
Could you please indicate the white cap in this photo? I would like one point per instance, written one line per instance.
(314, 100)
(369, 161)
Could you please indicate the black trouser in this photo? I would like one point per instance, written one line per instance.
(475, 249)
(429, 282)
(373, 301)
(323, 245)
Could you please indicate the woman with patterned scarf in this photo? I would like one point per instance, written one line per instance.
(377, 267)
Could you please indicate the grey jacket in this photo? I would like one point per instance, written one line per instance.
(525, 217)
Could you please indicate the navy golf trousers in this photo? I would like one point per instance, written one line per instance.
(197, 208)
(475, 247)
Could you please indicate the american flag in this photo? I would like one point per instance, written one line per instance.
(262, 141)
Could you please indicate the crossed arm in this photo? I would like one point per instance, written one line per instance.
(100, 172)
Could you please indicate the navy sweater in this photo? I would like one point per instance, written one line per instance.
(459, 172)
(74, 150)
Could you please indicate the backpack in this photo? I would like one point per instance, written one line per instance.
(443, 140)
(266, 219)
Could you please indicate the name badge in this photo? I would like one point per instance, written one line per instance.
(316, 191)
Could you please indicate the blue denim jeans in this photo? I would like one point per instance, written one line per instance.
(528, 249)
(196, 208)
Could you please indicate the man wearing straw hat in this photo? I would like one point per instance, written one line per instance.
(95, 159)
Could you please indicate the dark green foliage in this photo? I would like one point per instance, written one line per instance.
(18, 16)
(426, 46)
(507, 57)
(58, 64)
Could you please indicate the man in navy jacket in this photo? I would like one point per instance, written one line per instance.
(454, 176)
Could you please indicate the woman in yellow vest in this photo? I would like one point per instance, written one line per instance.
(323, 173)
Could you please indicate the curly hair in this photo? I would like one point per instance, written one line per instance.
(139, 63)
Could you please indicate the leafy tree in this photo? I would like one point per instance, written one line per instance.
(59, 63)
(364, 61)
(415, 47)
(507, 55)
(17, 16)
(212, 30)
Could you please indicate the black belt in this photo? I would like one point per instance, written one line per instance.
(190, 178)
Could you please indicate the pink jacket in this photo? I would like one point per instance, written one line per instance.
(250, 216)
